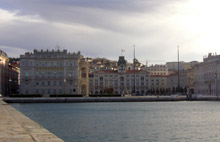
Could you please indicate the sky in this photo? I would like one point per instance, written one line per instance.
(102, 28)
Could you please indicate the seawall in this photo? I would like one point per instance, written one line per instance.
(16, 127)
(108, 99)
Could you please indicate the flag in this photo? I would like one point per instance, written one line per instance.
(122, 50)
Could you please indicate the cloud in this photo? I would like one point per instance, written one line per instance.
(9, 16)
(12, 51)
(100, 28)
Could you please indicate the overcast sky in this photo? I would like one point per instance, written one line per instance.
(101, 28)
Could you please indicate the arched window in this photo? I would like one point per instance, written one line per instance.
(83, 73)
(101, 78)
(121, 78)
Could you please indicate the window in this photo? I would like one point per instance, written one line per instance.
(42, 74)
(121, 78)
(54, 83)
(37, 83)
(60, 74)
(83, 74)
(101, 78)
(37, 74)
(26, 74)
(48, 73)
(48, 83)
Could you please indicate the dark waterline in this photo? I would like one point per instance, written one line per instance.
(128, 122)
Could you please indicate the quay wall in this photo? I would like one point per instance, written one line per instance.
(107, 99)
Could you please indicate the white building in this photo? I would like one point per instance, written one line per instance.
(158, 84)
(157, 69)
(50, 72)
(172, 82)
(122, 81)
(207, 75)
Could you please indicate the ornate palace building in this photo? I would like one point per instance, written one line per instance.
(207, 75)
(121, 81)
(53, 72)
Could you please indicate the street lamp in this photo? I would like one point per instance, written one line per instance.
(64, 85)
(216, 87)
(10, 80)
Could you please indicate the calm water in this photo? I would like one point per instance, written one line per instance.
(128, 122)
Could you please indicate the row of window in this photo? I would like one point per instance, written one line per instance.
(121, 84)
(49, 74)
(116, 81)
(126, 76)
(44, 63)
(52, 91)
(157, 69)
(52, 83)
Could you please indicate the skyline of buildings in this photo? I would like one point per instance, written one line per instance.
(59, 72)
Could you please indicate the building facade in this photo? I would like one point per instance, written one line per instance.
(121, 81)
(207, 75)
(172, 82)
(158, 84)
(157, 70)
(51, 72)
(9, 76)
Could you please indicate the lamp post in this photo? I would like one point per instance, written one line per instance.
(216, 86)
(64, 86)
(10, 80)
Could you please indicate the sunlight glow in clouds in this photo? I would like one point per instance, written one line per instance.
(200, 20)
(7, 16)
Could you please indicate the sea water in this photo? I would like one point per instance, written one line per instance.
(128, 122)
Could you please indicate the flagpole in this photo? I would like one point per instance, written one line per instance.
(134, 72)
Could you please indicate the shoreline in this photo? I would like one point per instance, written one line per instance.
(16, 127)
(108, 99)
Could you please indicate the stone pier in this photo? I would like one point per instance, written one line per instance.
(16, 127)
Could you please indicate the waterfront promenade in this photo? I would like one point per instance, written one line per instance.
(108, 99)
(16, 127)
